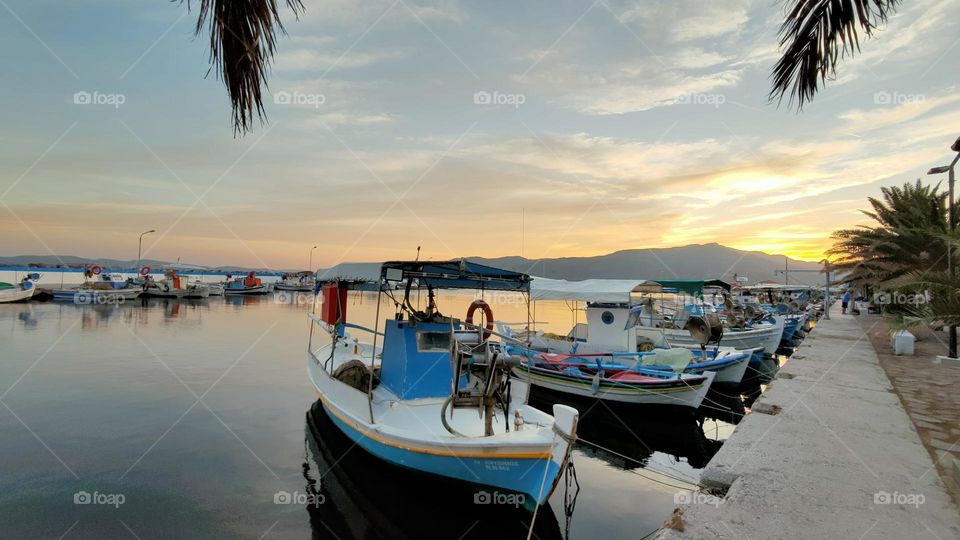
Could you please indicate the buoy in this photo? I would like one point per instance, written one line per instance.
(145, 271)
(97, 270)
(487, 312)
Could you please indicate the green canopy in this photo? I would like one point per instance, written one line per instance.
(693, 287)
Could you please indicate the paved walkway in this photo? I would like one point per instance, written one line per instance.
(834, 455)
(929, 392)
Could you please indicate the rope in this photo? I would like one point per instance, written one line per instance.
(618, 454)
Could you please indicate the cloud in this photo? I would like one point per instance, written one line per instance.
(307, 59)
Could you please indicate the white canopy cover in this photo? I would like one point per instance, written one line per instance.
(589, 290)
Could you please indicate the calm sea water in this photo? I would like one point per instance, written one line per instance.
(189, 419)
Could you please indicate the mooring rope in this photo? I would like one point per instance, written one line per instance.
(637, 461)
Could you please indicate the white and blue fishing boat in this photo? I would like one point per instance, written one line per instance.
(18, 292)
(250, 284)
(299, 282)
(432, 392)
(100, 288)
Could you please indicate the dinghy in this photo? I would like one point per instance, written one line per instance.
(20, 292)
(435, 393)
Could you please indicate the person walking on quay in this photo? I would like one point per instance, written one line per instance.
(845, 301)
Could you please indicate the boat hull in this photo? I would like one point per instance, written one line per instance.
(669, 394)
(96, 296)
(294, 288)
(16, 295)
(766, 338)
(259, 289)
(529, 462)
(730, 374)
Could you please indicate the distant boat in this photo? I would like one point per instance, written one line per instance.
(300, 282)
(105, 289)
(215, 289)
(174, 286)
(434, 393)
(246, 285)
(20, 292)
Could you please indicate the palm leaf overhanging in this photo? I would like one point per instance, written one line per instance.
(815, 35)
(242, 43)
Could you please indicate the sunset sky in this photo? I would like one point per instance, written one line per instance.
(455, 126)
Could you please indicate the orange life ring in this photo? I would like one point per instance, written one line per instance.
(487, 312)
(96, 270)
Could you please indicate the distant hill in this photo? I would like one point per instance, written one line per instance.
(695, 261)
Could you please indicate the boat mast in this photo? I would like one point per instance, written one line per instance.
(373, 353)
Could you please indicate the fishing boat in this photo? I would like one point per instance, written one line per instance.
(609, 330)
(250, 284)
(602, 376)
(299, 282)
(174, 286)
(662, 325)
(19, 292)
(100, 288)
(214, 289)
(435, 393)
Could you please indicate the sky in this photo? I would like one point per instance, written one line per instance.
(494, 128)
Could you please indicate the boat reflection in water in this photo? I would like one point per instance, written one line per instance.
(626, 436)
(355, 495)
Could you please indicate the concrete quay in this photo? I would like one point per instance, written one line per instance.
(827, 452)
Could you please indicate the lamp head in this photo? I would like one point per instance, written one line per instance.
(956, 145)
(939, 170)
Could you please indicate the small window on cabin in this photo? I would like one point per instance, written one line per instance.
(607, 317)
(433, 341)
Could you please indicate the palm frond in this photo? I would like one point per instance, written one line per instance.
(242, 43)
(815, 35)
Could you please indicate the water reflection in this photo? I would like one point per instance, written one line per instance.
(364, 497)
(241, 300)
(627, 435)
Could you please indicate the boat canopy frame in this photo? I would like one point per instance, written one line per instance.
(430, 275)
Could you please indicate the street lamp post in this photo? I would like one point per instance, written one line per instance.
(952, 225)
(310, 266)
(140, 246)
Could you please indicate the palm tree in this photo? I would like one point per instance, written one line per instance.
(242, 42)
(909, 237)
(815, 35)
